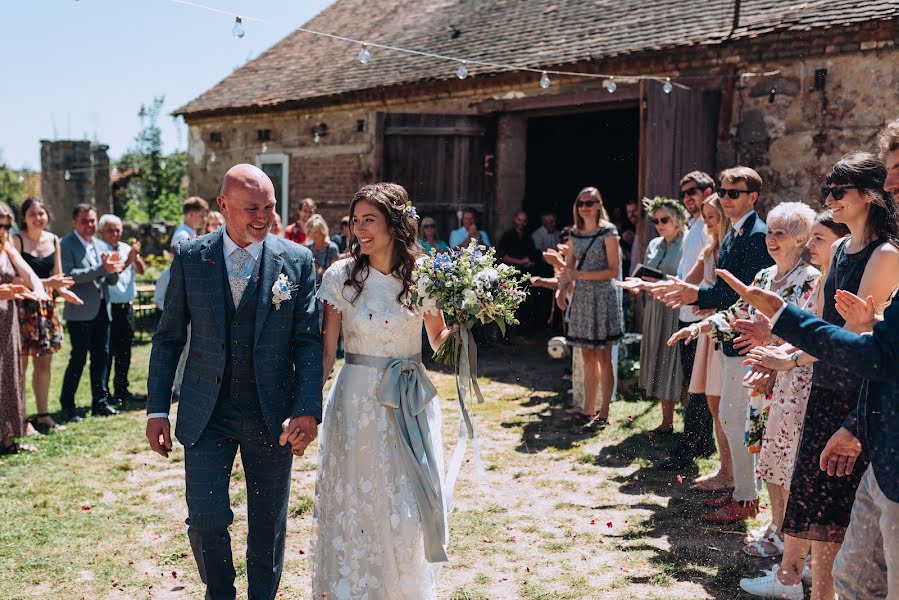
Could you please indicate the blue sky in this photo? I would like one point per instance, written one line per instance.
(82, 68)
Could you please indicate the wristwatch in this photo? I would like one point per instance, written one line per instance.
(794, 358)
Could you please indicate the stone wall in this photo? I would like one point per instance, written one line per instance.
(792, 140)
(73, 172)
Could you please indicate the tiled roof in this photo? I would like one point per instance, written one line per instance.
(534, 33)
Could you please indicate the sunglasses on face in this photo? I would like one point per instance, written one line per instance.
(732, 194)
(837, 191)
(6, 226)
(429, 226)
(663, 220)
(689, 192)
(587, 203)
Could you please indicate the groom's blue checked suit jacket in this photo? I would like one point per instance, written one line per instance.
(875, 421)
(287, 353)
(744, 255)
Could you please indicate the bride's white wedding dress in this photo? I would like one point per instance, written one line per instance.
(367, 541)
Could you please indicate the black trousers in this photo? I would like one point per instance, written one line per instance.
(87, 337)
(698, 427)
(237, 423)
(121, 336)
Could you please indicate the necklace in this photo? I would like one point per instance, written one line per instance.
(777, 280)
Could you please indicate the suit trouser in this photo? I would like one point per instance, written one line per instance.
(732, 412)
(121, 337)
(87, 337)
(867, 566)
(698, 425)
(237, 423)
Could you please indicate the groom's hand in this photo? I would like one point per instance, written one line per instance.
(299, 433)
(159, 434)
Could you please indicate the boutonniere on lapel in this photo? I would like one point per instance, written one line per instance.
(281, 290)
(209, 261)
(741, 232)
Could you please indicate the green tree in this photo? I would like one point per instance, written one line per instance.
(156, 190)
(12, 188)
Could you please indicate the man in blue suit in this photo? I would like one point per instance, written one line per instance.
(253, 379)
(744, 252)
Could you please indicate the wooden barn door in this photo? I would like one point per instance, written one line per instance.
(445, 162)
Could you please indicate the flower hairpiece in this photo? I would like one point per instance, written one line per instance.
(410, 211)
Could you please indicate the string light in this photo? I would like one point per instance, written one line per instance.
(67, 175)
(611, 86)
(264, 148)
(544, 80)
(364, 54)
(667, 87)
(462, 71)
(212, 157)
(238, 31)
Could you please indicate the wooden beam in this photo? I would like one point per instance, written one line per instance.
(409, 130)
(599, 97)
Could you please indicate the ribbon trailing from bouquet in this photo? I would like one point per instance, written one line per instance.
(466, 378)
(406, 389)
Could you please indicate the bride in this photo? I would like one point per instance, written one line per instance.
(380, 504)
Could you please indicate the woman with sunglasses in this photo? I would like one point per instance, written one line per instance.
(13, 270)
(595, 319)
(429, 239)
(867, 264)
(661, 375)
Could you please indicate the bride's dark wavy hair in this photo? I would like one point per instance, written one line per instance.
(390, 199)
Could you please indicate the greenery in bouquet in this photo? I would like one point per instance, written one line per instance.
(469, 287)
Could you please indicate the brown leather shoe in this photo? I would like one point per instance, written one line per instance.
(719, 501)
(733, 512)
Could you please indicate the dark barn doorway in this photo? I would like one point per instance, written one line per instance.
(566, 153)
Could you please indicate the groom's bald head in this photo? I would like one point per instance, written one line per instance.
(247, 200)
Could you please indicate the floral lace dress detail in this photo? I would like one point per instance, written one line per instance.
(367, 541)
(796, 290)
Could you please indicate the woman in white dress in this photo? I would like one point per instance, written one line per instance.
(380, 504)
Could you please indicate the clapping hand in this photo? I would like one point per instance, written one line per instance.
(568, 276)
(59, 281)
(299, 432)
(631, 284)
(680, 294)
(858, 314)
(761, 379)
(767, 302)
(774, 359)
(70, 296)
(15, 291)
(686, 335)
(111, 262)
(840, 453)
(752, 333)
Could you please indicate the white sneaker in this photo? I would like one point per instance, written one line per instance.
(806, 572)
(769, 586)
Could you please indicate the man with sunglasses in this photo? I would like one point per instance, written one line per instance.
(743, 253)
(695, 187)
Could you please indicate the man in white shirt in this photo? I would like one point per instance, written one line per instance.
(695, 187)
(121, 335)
(468, 231)
(547, 235)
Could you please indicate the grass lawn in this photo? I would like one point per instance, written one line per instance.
(560, 514)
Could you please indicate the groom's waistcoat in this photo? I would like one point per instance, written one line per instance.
(240, 374)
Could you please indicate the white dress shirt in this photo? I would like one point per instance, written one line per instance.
(695, 240)
(738, 225)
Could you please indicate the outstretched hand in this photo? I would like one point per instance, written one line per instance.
(767, 302)
(774, 359)
(299, 432)
(858, 314)
(840, 453)
(752, 333)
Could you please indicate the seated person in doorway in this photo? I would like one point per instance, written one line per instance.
(468, 231)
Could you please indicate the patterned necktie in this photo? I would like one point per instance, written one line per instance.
(237, 277)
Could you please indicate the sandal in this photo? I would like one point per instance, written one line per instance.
(754, 535)
(15, 448)
(765, 547)
(597, 422)
(707, 486)
(46, 427)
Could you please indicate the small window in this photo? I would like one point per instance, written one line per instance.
(215, 137)
(263, 135)
(360, 125)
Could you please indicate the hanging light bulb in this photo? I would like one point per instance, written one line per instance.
(21, 179)
(544, 80)
(264, 148)
(364, 54)
(238, 31)
(317, 137)
(462, 71)
(611, 86)
(67, 175)
(212, 157)
(667, 87)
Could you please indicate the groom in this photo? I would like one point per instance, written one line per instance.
(253, 380)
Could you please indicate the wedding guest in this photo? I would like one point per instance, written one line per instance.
(342, 239)
(13, 270)
(296, 231)
(39, 321)
(516, 248)
(214, 221)
(276, 228)
(743, 251)
(468, 231)
(632, 209)
(661, 376)
(547, 235)
(595, 320)
(193, 222)
(789, 229)
(324, 251)
(429, 239)
(867, 264)
(697, 441)
(121, 295)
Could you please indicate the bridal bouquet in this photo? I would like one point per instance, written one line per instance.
(469, 287)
